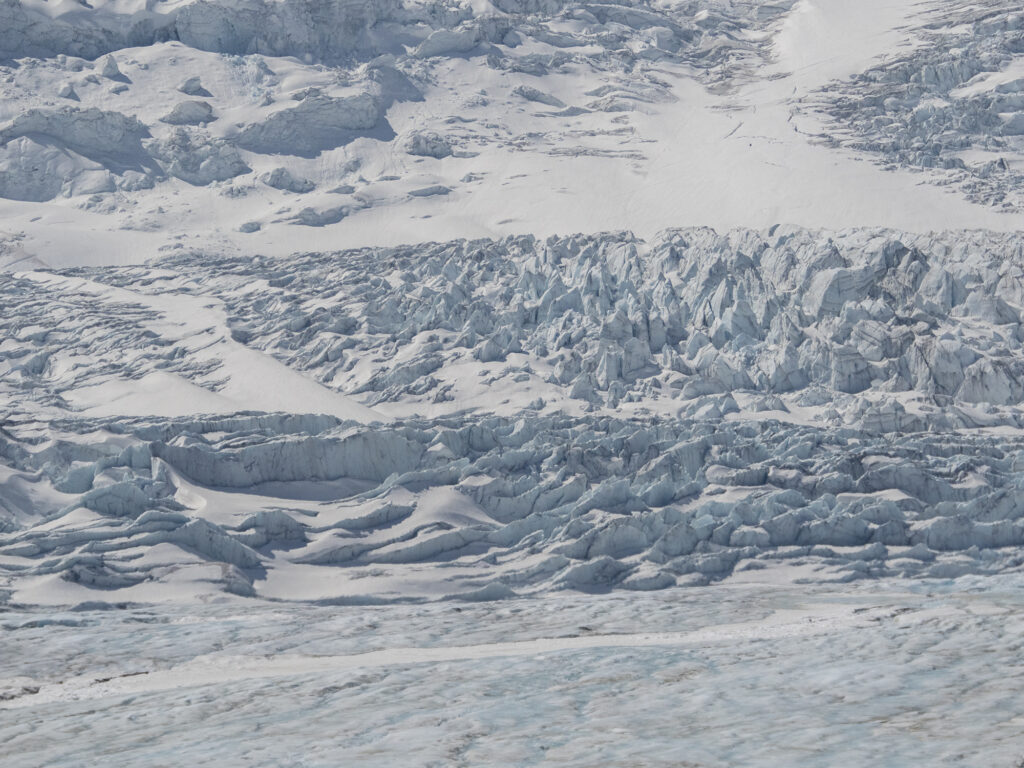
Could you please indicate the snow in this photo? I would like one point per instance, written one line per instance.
(248, 380)
(645, 148)
(524, 382)
(520, 416)
(824, 40)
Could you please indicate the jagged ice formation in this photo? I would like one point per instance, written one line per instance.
(635, 414)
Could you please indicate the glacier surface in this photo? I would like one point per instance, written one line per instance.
(518, 416)
(511, 382)
(436, 121)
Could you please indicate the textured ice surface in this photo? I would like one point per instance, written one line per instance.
(581, 413)
(360, 456)
(753, 675)
(952, 106)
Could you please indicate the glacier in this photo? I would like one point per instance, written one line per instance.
(569, 681)
(426, 121)
(511, 382)
(572, 413)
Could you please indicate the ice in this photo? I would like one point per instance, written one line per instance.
(189, 113)
(316, 124)
(196, 157)
(649, 429)
(294, 27)
(35, 172)
(532, 94)
(519, 382)
(654, 97)
(569, 680)
(193, 86)
(89, 132)
(281, 178)
(428, 145)
(950, 105)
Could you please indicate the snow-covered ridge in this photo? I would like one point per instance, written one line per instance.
(586, 412)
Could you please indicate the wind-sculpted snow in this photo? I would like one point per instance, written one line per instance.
(579, 413)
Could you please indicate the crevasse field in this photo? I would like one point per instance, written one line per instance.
(511, 383)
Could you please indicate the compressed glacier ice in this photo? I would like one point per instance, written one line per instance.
(672, 412)
(321, 434)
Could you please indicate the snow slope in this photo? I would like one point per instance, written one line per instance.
(397, 124)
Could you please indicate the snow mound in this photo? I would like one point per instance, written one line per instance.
(316, 124)
(196, 157)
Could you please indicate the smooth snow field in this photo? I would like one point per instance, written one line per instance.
(511, 383)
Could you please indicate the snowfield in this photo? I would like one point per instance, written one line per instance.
(526, 382)
(149, 128)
